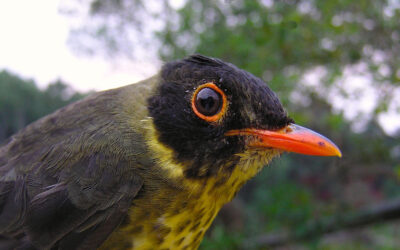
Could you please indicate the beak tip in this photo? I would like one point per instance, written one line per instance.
(334, 149)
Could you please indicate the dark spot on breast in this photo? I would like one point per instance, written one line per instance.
(191, 206)
(196, 242)
(195, 226)
(234, 194)
(156, 226)
(167, 230)
(220, 182)
(187, 222)
(321, 143)
(161, 230)
(191, 173)
(145, 215)
(196, 196)
(231, 166)
(179, 242)
(175, 212)
(184, 204)
(208, 220)
(160, 240)
(199, 214)
(234, 183)
(180, 229)
(182, 226)
(198, 235)
(136, 230)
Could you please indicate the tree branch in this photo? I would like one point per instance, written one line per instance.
(380, 213)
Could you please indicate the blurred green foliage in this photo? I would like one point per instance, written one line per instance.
(21, 102)
(278, 41)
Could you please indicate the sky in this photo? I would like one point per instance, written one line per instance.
(33, 44)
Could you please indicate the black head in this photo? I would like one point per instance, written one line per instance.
(197, 88)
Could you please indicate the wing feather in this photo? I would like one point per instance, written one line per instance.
(68, 179)
(79, 212)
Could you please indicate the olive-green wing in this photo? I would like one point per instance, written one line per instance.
(89, 200)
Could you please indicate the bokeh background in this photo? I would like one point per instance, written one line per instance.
(335, 65)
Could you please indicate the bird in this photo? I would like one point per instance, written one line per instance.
(147, 165)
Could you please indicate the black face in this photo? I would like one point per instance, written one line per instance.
(183, 104)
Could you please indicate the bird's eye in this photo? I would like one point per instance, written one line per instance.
(209, 102)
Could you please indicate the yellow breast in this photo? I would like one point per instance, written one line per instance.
(181, 226)
(175, 219)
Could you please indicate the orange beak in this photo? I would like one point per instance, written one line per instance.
(292, 138)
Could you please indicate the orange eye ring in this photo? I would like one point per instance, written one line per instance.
(220, 113)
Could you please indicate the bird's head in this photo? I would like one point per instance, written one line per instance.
(215, 117)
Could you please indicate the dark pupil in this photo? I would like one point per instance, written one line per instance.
(208, 102)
